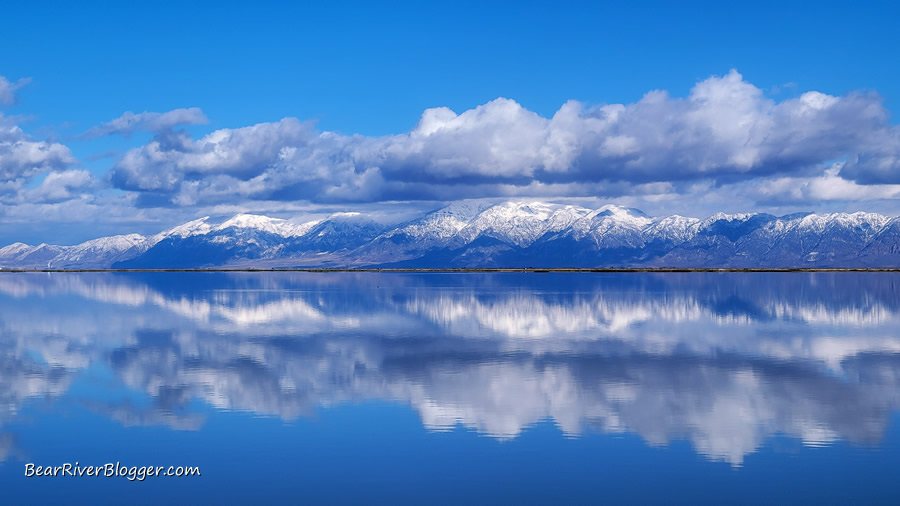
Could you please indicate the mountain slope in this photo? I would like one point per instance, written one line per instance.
(509, 234)
(250, 239)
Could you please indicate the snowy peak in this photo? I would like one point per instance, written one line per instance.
(345, 216)
(623, 216)
(622, 213)
(565, 217)
(97, 252)
(728, 218)
(24, 255)
(868, 221)
(477, 234)
(305, 227)
(196, 227)
(673, 228)
(462, 211)
(275, 226)
(116, 244)
(518, 223)
(251, 221)
(15, 250)
(201, 226)
(439, 225)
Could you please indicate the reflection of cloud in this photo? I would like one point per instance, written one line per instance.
(132, 416)
(7, 447)
(716, 360)
(21, 379)
(725, 408)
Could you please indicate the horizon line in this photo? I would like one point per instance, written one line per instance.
(535, 270)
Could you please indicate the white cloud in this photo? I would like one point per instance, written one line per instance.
(61, 186)
(22, 157)
(130, 122)
(828, 187)
(726, 130)
(726, 146)
(8, 89)
(165, 162)
(500, 139)
(879, 162)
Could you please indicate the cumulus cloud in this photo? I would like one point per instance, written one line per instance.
(879, 162)
(830, 186)
(168, 160)
(130, 122)
(8, 89)
(61, 186)
(22, 156)
(726, 130)
(726, 146)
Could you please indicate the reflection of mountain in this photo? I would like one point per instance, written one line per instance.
(723, 360)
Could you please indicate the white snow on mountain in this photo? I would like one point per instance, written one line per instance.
(275, 226)
(19, 254)
(15, 250)
(565, 218)
(867, 224)
(440, 225)
(518, 224)
(195, 227)
(92, 251)
(673, 228)
(612, 225)
(727, 217)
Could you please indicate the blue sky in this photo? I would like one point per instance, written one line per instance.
(769, 106)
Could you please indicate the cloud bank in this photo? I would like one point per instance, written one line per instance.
(22, 157)
(726, 146)
(725, 131)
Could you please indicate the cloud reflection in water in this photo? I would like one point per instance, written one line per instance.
(722, 360)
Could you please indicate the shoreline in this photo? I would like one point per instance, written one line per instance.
(537, 270)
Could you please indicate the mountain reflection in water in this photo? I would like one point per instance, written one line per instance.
(723, 360)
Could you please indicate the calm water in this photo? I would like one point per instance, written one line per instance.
(442, 388)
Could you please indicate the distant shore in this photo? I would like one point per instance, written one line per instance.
(538, 270)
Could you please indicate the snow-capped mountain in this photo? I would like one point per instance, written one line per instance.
(27, 256)
(97, 253)
(509, 234)
(251, 239)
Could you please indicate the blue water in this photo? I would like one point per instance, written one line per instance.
(453, 388)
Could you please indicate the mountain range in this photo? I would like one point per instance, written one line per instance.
(509, 234)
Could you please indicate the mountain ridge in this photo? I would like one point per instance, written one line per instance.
(514, 234)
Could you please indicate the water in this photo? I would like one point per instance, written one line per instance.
(442, 388)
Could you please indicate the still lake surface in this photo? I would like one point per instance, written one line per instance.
(442, 388)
